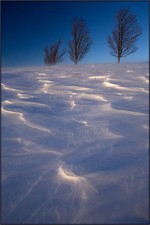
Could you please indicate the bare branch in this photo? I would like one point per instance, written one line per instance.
(53, 54)
(81, 42)
(125, 34)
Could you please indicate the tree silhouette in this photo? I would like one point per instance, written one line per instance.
(81, 42)
(125, 34)
(53, 54)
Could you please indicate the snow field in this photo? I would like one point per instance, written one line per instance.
(75, 144)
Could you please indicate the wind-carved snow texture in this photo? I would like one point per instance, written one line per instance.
(75, 144)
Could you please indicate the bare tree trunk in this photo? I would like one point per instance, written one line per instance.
(81, 42)
(53, 54)
(124, 35)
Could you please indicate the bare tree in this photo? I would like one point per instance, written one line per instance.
(81, 42)
(53, 54)
(125, 34)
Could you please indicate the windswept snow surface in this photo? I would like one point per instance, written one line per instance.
(75, 144)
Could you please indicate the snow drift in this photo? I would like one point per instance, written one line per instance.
(75, 144)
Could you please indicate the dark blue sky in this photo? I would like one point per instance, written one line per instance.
(28, 27)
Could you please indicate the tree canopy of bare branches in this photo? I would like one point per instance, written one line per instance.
(53, 54)
(125, 34)
(81, 42)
